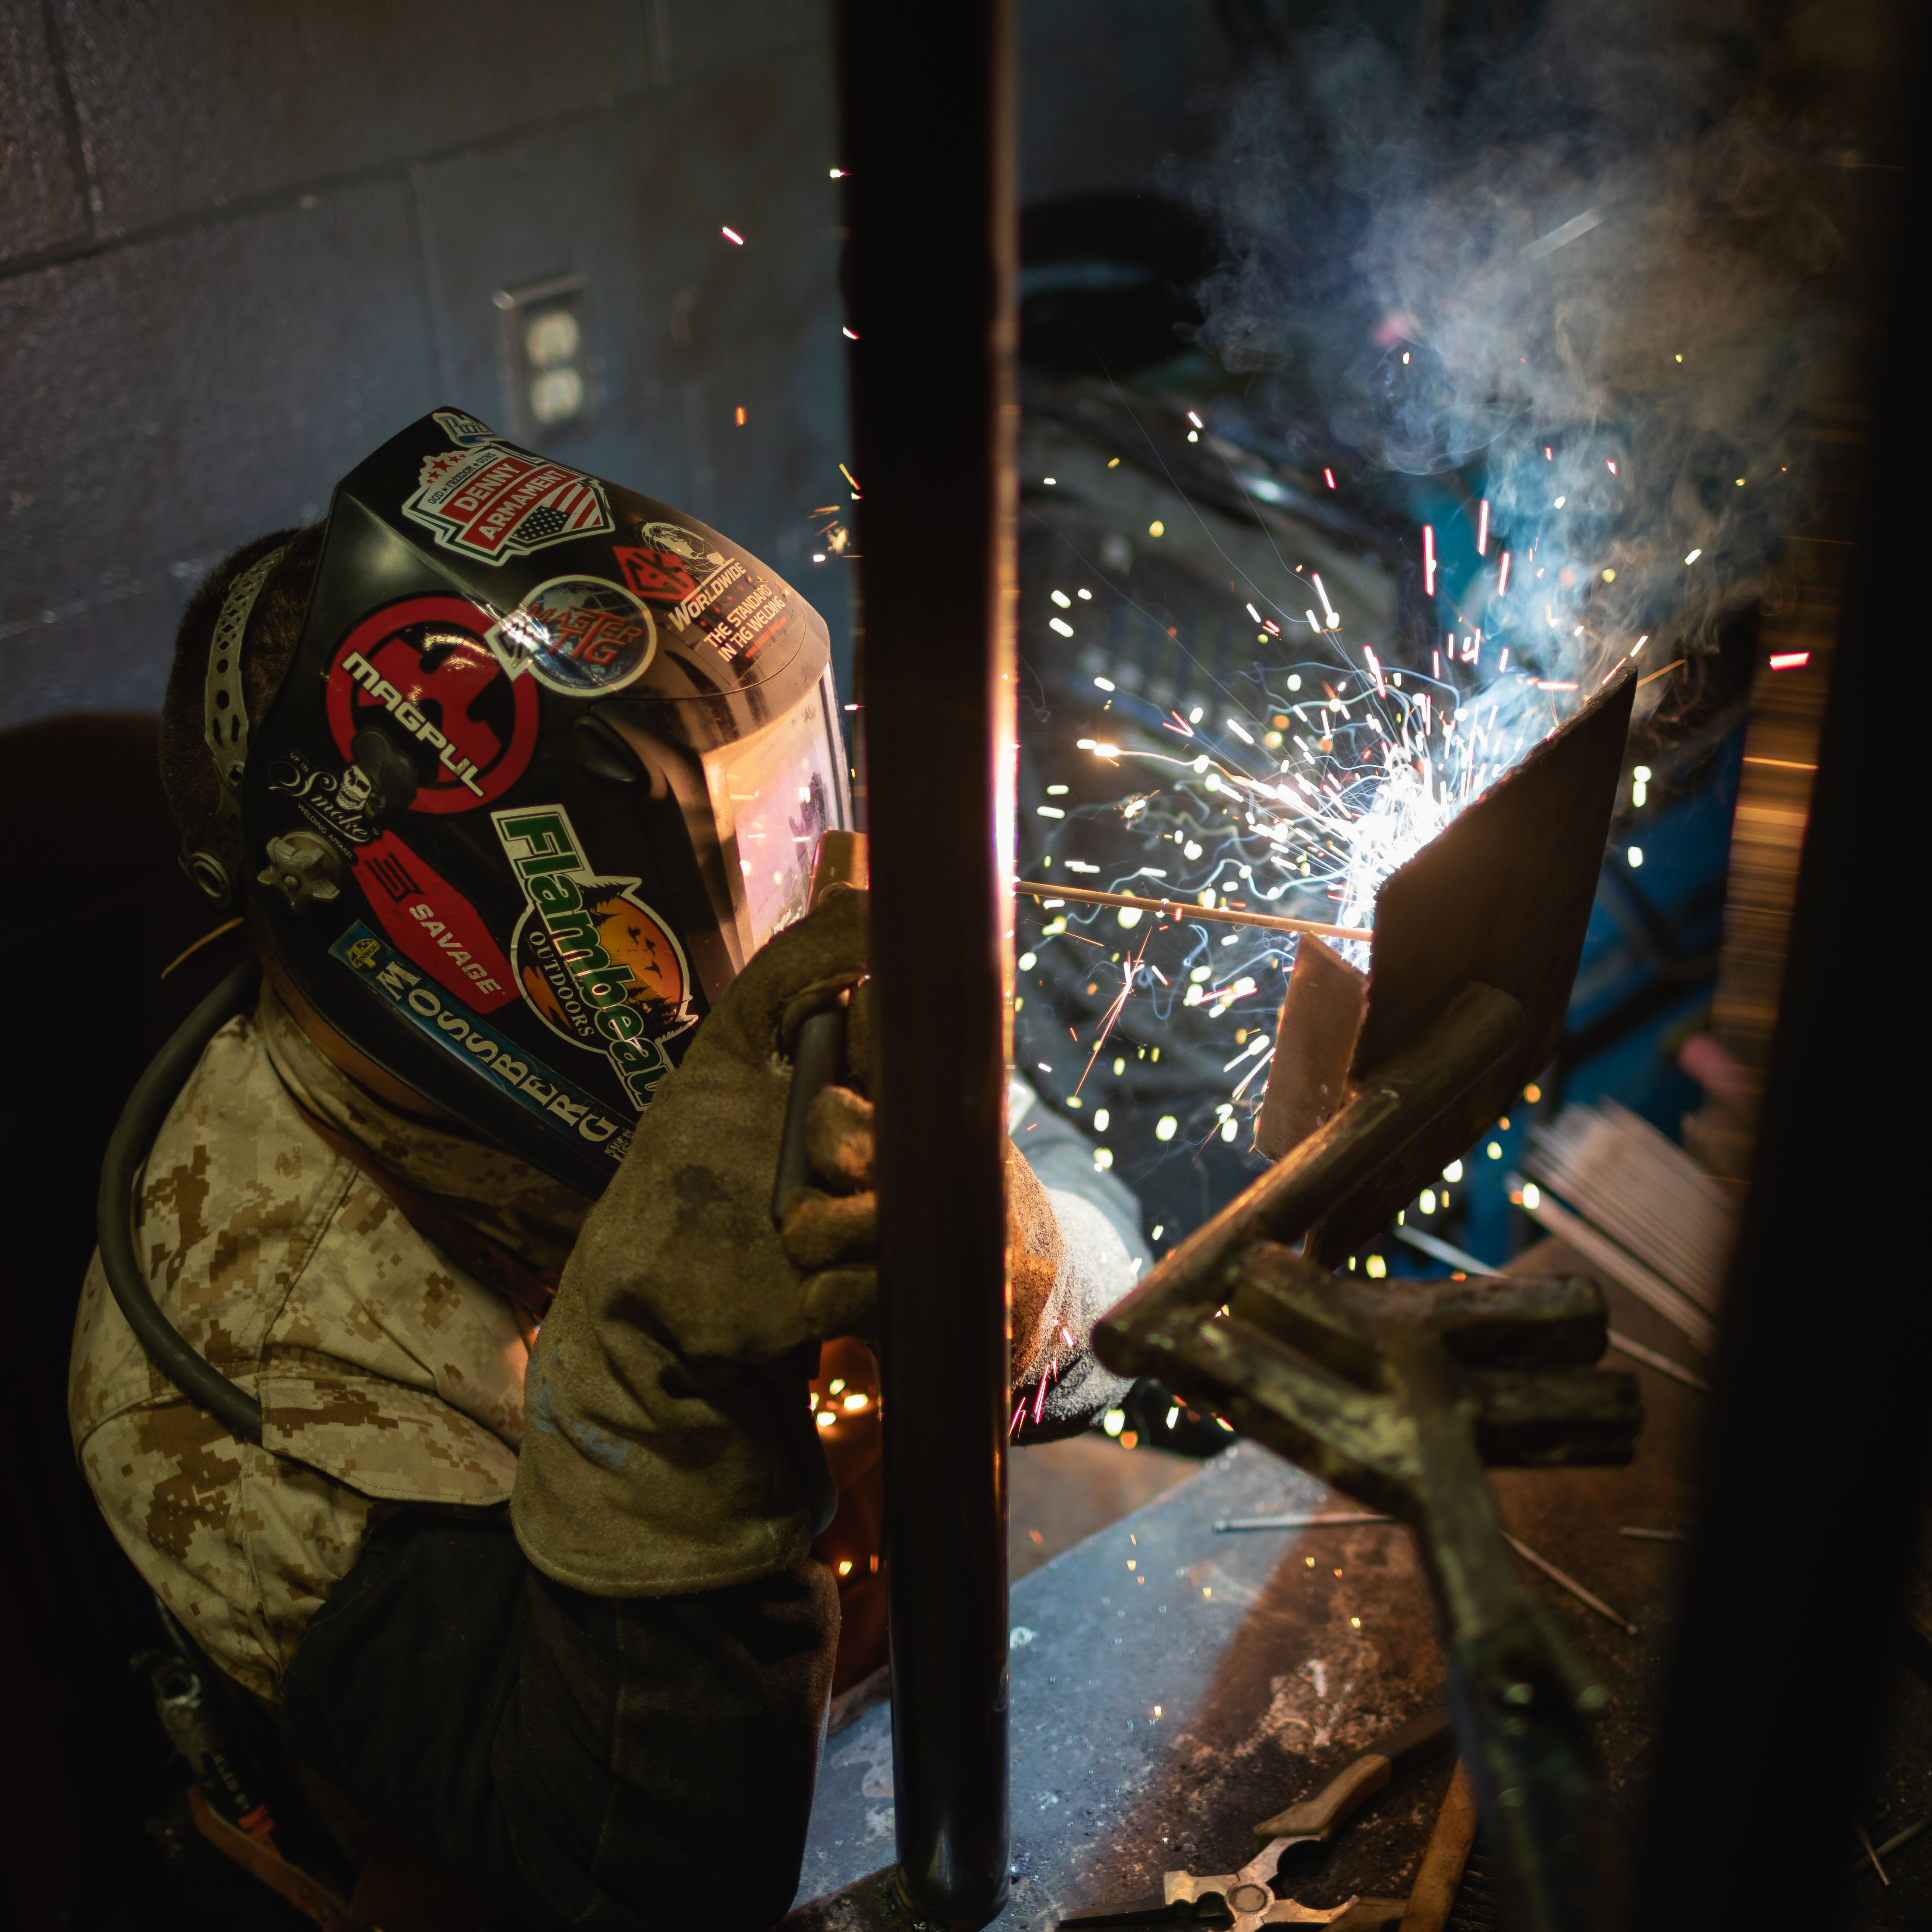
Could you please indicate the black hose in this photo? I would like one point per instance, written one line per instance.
(134, 1135)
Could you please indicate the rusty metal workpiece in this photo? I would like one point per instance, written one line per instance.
(1399, 1398)
(1274, 1660)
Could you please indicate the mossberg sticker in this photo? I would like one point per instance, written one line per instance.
(563, 1107)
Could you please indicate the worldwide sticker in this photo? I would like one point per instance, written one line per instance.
(594, 963)
(669, 563)
(580, 635)
(736, 611)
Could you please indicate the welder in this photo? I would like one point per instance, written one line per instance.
(447, 1373)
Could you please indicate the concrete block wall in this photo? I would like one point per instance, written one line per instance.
(242, 241)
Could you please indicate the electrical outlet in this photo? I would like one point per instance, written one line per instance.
(548, 358)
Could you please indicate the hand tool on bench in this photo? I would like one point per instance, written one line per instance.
(1443, 1859)
(1248, 1894)
(1315, 1820)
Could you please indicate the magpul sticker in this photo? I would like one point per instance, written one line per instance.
(424, 663)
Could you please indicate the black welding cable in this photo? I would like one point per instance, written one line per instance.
(134, 1135)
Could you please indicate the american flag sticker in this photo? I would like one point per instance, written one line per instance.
(492, 501)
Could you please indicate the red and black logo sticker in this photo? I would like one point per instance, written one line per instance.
(423, 664)
(736, 611)
(431, 923)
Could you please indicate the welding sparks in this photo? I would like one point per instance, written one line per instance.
(732, 235)
(1286, 799)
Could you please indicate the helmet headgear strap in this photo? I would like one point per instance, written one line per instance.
(215, 865)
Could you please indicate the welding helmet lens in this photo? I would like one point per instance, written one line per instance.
(755, 807)
(550, 764)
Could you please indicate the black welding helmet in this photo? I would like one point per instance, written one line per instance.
(549, 764)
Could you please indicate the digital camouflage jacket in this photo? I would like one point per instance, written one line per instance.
(387, 1376)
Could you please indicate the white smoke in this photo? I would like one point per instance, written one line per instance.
(1595, 255)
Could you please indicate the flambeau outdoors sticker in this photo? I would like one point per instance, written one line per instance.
(423, 663)
(487, 499)
(579, 635)
(596, 965)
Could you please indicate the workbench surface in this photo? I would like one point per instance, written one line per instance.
(1172, 1684)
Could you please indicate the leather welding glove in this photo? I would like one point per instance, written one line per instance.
(668, 1445)
(833, 1237)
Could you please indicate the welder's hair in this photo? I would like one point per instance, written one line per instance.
(187, 772)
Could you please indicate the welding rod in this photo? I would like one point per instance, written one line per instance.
(1267, 921)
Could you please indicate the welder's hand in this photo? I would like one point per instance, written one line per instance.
(833, 1235)
(682, 1242)
(669, 1446)
(830, 1232)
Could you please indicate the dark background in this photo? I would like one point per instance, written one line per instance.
(243, 241)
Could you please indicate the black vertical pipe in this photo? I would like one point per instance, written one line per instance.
(1814, 1474)
(928, 129)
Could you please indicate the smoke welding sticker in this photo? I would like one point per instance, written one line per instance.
(332, 803)
(423, 664)
(565, 1108)
(596, 964)
(487, 499)
(580, 635)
